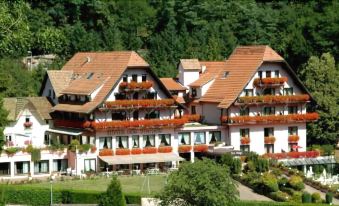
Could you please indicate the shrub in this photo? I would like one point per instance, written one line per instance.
(84, 147)
(252, 156)
(316, 198)
(306, 197)
(296, 196)
(269, 183)
(73, 145)
(226, 159)
(329, 197)
(262, 165)
(113, 195)
(282, 182)
(236, 166)
(279, 196)
(296, 182)
(11, 150)
(35, 154)
(250, 166)
(29, 148)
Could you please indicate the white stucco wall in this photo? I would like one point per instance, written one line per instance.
(45, 92)
(186, 77)
(211, 113)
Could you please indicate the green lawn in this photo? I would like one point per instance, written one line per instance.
(130, 184)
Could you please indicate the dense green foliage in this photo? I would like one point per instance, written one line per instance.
(200, 183)
(113, 195)
(234, 164)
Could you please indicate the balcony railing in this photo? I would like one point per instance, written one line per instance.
(72, 124)
(149, 123)
(273, 99)
(271, 118)
(289, 155)
(270, 81)
(142, 103)
(136, 85)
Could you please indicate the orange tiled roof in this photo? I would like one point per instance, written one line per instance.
(241, 66)
(190, 64)
(172, 85)
(59, 80)
(106, 65)
(83, 86)
(211, 72)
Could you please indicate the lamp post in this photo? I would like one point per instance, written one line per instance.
(51, 181)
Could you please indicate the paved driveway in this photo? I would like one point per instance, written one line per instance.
(247, 193)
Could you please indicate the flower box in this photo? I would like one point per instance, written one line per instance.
(165, 149)
(269, 81)
(72, 124)
(139, 103)
(293, 138)
(122, 151)
(275, 118)
(28, 124)
(200, 148)
(136, 151)
(193, 117)
(184, 148)
(149, 150)
(269, 140)
(245, 140)
(135, 85)
(93, 148)
(274, 99)
(106, 152)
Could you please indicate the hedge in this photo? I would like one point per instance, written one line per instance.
(34, 196)
(267, 203)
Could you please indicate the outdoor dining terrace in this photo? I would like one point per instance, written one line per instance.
(273, 99)
(270, 118)
(269, 81)
(139, 103)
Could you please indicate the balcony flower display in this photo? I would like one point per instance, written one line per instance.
(286, 155)
(136, 85)
(149, 150)
(200, 148)
(72, 123)
(223, 119)
(275, 118)
(293, 138)
(106, 152)
(136, 151)
(274, 99)
(122, 151)
(269, 81)
(28, 142)
(245, 140)
(149, 123)
(184, 148)
(193, 117)
(28, 124)
(269, 140)
(93, 148)
(139, 103)
(165, 149)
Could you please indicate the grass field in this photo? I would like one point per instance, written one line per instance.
(130, 184)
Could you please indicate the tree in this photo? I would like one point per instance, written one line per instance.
(320, 76)
(3, 123)
(113, 195)
(201, 183)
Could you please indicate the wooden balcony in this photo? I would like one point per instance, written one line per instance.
(269, 119)
(272, 99)
(138, 104)
(132, 86)
(269, 82)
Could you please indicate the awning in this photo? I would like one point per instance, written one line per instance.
(68, 131)
(141, 158)
(309, 161)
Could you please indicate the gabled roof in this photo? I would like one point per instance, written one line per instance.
(172, 85)
(59, 80)
(211, 72)
(83, 86)
(190, 64)
(237, 72)
(39, 105)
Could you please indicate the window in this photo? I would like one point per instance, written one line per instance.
(120, 96)
(41, 166)
(90, 75)
(46, 139)
(244, 111)
(21, 168)
(5, 168)
(119, 116)
(292, 110)
(165, 139)
(184, 138)
(248, 92)
(194, 92)
(269, 91)
(214, 136)
(268, 74)
(153, 115)
(135, 141)
(136, 115)
(125, 78)
(143, 77)
(288, 91)
(260, 74)
(105, 143)
(245, 148)
(292, 130)
(244, 132)
(149, 140)
(269, 111)
(276, 73)
(60, 165)
(49, 93)
(269, 148)
(199, 138)
(193, 110)
(225, 74)
(90, 165)
(122, 142)
(136, 95)
(27, 119)
(134, 77)
(151, 95)
(269, 132)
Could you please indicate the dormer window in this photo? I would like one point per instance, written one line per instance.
(194, 92)
(90, 75)
(225, 74)
(124, 78)
(144, 77)
(248, 92)
(134, 77)
(27, 119)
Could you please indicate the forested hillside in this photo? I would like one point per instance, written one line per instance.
(163, 31)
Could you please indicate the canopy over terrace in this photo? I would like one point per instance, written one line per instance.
(308, 161)
(140, 159)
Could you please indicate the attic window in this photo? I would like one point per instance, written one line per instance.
(90, 75)
(225, 74)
